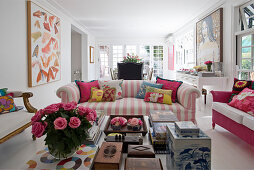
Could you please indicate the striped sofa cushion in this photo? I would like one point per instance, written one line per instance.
(131, 87)
(134, 106)
(69, 93)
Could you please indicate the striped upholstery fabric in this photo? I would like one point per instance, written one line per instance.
(68, 93)
(131, 87)
(185, 109)
(134, 106)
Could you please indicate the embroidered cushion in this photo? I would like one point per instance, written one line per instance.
(158, 98)
(7, 104)
(96, 95)
(156, 90)
(239, 85)
(109, 94)
(244, 101)
(85, 89)
(170, 85)
(3, 91)
(142, 90)
(117, 84)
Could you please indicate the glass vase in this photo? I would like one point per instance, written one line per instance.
(209, 68)
(58, 155)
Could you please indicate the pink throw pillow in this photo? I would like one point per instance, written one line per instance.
(85, 89)
(244, 101)
(170, 85)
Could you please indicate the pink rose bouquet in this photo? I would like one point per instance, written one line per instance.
(208, 63)
(118, 122)
(63, 121)
(135, 123)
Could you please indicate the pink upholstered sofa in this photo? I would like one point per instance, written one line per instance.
(236, 121)
(129, 105)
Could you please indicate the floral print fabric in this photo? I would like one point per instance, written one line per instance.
(244, 101)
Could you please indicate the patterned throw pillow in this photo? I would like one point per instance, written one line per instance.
(117, 84)
(238, 86)
(244, 101)
(96, 95)
(3, 91)
(7, 104)
(109, 95)
(158, 98)
(170, 85)
(142, 90)
(156, 90)
(85, 89)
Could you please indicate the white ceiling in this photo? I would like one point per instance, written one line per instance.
(134, 18)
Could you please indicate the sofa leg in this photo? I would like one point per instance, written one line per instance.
(34, 138)
(213, 125)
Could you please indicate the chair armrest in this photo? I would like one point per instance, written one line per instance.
(221, 96)
(25, 96)
(187, 95)
(27, 104)
(69, 93)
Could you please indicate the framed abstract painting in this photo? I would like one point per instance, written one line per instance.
(44, 46)
(209, 38)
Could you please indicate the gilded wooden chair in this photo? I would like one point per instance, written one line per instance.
(14, 123)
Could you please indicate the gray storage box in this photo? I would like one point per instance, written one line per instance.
(187, 152)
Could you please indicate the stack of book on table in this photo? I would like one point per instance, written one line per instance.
(158, 122)
(95, 131)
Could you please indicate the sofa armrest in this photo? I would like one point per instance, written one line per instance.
(69, 93)
(221, 96)
(187, 95)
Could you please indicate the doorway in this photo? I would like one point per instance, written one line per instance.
(76, 55)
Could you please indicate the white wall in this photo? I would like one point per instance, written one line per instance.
(76, 53)
(13, 51)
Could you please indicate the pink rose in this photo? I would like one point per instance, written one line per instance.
(60, 123)
(51, 109)
(91, 116)
(36, 117)
(122, 121)
(38, 129)
(83, 110)
(60, 105)
(134, 121)
(74, 122)
(69, 106)
(140, 122)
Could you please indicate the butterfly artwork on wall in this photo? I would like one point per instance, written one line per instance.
(44, 46)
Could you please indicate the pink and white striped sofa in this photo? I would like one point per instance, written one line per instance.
(129, 105)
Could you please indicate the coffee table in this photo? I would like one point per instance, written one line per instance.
(146, 141)
(75, 159)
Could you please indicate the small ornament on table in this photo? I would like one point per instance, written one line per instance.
(208, 65)
(134, 124)
(118, 122)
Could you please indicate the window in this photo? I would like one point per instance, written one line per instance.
(117, 54)
(247, 15)
(104, 58)
(131, 49)
(158, 61)
(152, 56)
(145, 55)
(245, 56)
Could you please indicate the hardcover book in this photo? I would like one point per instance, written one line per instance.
(186, 128)
(162, 116)
(109, 156)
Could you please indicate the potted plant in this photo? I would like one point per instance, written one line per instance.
(131, 59)
(208, 65)
(65, 126)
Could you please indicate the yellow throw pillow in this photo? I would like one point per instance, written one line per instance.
(156, 90)
(96, 95)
